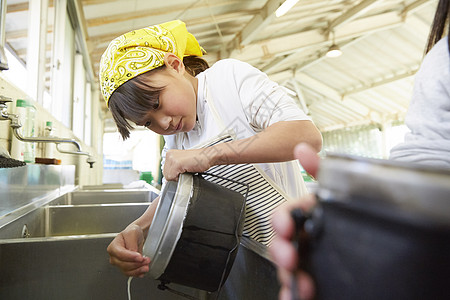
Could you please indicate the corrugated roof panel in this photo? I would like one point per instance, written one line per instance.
(382, 45)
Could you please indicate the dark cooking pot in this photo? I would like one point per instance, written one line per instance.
(194, 237)
(381, 230)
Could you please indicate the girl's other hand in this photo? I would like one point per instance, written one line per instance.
(185, 161)
(125, 252)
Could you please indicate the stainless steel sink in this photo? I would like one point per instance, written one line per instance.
(77, 267)
(106, 197)
(58, 251)
(70, 268)
(78, 213)
(63, 220)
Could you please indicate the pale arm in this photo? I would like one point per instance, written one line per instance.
(146, 219)
(274, 144)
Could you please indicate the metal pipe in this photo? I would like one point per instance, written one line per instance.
(15, 125)
(39, 139)
(90, 160)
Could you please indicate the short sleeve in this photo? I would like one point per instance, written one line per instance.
(263, 100)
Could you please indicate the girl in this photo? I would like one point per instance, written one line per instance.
(229, 115)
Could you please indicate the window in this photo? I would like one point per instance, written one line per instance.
(47, 60)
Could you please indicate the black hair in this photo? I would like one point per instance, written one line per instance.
(440, 21)
(133, 99)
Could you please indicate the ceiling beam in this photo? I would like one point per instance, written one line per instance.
(23, 34)
(291, 43)
(101, 41)
(169, 10)
(322, 54)
(23, 6)
(300, 96)
(95, 2)
(323, 111)
(351, 14)
(415, 6)
(258, 22)
(274, 48)
(318, 86)
(16, 35)
(385, 80)
(318, 57)
(22, 52)
(278, 61)
(357, 108)
(17, 7)
(362, 122)
(352, 112)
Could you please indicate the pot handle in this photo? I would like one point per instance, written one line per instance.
(163, 286)
(308, 226)
(300, 241)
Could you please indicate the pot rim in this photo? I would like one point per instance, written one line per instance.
(405, 187)
(167, 225)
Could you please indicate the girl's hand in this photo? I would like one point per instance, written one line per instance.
(125, 252)
(182, 161)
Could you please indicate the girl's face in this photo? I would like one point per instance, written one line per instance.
(177, 110)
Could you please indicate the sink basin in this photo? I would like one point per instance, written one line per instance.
(70, 268)
(61, 220)
(106, 196)
(77, 267)
(58, 251)
(78, 212)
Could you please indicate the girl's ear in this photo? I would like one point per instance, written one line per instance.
(174, 62)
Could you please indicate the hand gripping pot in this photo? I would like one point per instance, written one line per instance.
(194, 237)
(381, 230)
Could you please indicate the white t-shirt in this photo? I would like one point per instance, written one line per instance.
(247, 101)
(428, 115)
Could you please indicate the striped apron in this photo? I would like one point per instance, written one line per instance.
(263, 196)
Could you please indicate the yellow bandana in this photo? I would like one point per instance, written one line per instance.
(142, 50)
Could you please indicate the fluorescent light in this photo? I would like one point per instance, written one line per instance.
(285, 7)
(334, 51)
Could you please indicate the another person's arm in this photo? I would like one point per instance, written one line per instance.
(282, 250)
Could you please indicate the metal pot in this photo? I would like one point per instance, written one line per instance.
(195, 233)
(381, 230)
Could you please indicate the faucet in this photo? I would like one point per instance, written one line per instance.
(15, 125)
(3, 107)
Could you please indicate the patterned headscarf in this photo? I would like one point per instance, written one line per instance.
(142, 50)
